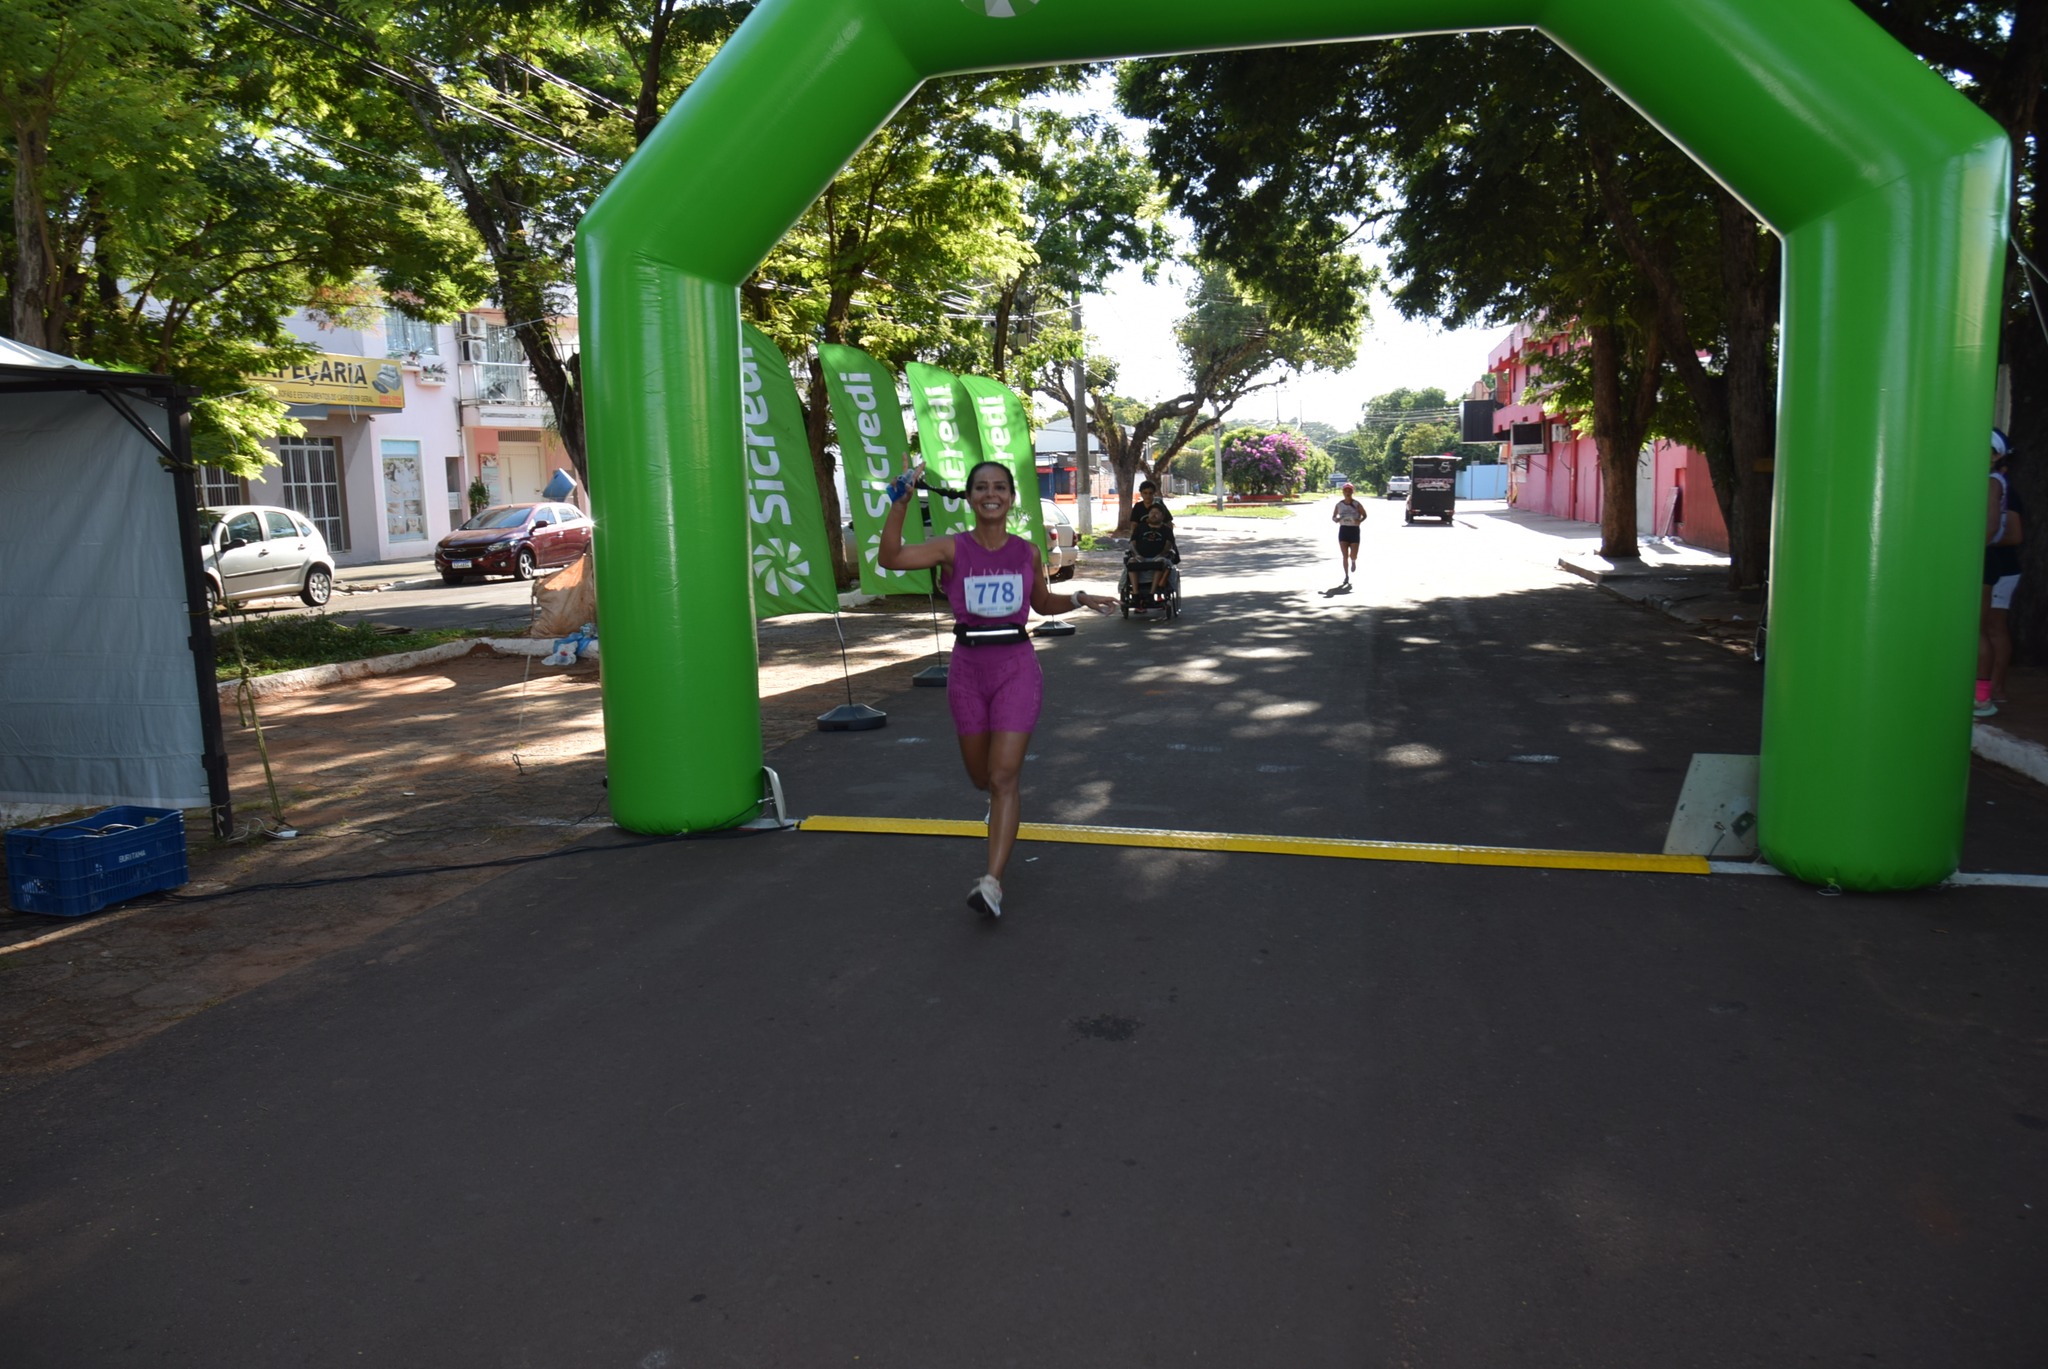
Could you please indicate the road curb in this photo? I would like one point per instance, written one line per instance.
(379, 586)
(338, 672)
(2014, 753)
(2029, 759)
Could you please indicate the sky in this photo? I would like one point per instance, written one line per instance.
(1133, 323)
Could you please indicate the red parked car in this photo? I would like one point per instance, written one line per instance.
(513, 539)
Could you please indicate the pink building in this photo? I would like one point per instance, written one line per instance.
(1552, 469)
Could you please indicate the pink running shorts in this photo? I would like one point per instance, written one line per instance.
(994, 688)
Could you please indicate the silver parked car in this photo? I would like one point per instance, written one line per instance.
(257, 551)
(1065, 549)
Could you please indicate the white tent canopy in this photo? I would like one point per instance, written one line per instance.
(100, 701)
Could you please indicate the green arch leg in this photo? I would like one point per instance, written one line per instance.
(1877, 536)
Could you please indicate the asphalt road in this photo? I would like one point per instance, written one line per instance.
(475, 604)
(781, 1101)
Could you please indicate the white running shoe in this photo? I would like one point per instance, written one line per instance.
(986, 897)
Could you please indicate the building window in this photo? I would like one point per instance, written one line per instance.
(503, 377)
(405, 507)
(312, 484)
(405, 335)
(218, 488)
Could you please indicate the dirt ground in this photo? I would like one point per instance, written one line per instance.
(483, 758)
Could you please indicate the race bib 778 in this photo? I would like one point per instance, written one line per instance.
(994, 596)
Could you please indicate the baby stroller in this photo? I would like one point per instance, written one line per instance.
(1135, 593)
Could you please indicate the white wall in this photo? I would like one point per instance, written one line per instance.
(431, 418)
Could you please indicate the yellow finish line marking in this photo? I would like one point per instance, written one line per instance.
(1339, 848)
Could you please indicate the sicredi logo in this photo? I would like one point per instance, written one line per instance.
(764, 462)
(999, 9)
(781, 566)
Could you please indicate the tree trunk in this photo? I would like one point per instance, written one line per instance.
(817, 412)
(1618, 428)
(551, 371)
(32, 260)
(647, 108)
(1749, 267)
(999, 346)
(2026, 352)
(1736, 411)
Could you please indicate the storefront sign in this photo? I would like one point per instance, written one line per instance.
(361, 382)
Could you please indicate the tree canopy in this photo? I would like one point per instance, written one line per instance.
(163, 222)
(1507, 184)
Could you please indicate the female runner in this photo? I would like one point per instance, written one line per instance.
(1348, 516)
(993, 685)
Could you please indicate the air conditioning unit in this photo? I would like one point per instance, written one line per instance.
(1560, 433)
(473, 349)
(471, 325)
(1525, 439)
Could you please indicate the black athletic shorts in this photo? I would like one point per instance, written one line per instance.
(1347, 532)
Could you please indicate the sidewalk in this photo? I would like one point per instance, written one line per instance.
(1690, 584)
(384, 575)
(411, 574)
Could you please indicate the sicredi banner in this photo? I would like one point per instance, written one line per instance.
(1006, 437)
(946, 439)
(789, 553)
(872, 447)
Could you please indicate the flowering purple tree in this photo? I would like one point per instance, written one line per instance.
(1265, 463)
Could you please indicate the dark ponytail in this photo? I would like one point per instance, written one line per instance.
(926, 484)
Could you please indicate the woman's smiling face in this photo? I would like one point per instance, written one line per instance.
(991, 492)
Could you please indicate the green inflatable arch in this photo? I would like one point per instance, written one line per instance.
(1888, 188)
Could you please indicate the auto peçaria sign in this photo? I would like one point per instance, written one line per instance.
(363, 382)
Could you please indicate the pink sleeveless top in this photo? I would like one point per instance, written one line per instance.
(986, 587)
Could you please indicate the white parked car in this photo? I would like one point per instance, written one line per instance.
(1065, 551)
(1397, 486)
(257, 551)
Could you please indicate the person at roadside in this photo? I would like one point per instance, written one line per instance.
(1152, 540)
(992, 581)
(2004, 532)
(1349, 516)
(1148, 500)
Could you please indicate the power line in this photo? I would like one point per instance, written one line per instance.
(426, 70)
(406, 83)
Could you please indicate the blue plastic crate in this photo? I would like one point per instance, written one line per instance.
(79, 867)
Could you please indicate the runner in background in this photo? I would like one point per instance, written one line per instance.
(994, 687)
(1349, 516)
(2004, 532)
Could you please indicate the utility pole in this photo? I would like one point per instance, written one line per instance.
(1219, 456)
(1084, 499)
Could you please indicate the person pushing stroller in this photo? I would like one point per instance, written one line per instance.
(1154, 550)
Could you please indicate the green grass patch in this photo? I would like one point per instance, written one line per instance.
(293, 643)
(1209, 510)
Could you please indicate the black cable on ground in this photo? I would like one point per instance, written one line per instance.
(502, 863)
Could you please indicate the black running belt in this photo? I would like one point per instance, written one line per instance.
(995, 634)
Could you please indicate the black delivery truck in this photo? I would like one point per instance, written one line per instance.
(1433, 493)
